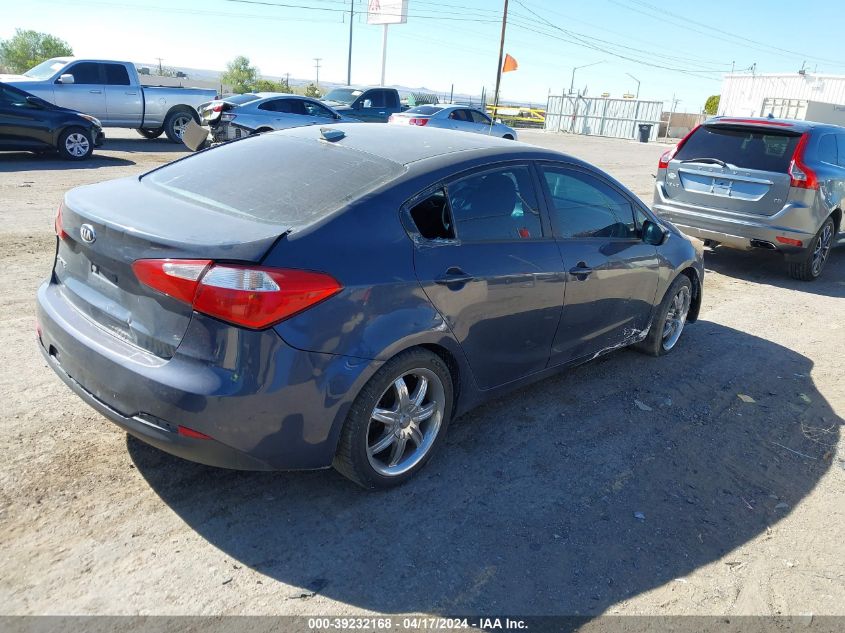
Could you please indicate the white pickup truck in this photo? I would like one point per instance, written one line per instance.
(112, 92)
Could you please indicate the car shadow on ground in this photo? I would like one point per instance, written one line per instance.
(25, 161)
(564, 498)
(771, 269)
(161, 145)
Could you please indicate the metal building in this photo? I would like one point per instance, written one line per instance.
(600, 116)
(784, 95)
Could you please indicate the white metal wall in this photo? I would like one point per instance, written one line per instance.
(618, 118)
(743, 95)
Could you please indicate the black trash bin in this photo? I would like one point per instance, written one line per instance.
(645, 131)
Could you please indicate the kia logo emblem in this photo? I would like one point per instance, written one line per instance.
(87, 233)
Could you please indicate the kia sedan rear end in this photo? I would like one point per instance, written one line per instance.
(359, 288)
(768, 184)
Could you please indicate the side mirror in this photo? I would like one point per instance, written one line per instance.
(368, 103)
(653, 233)
(499, 121)
(337, 117)
(67, 78)
(35, 102)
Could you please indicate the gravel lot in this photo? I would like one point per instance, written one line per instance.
(530, 509)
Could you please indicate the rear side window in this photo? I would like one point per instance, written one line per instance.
(827, 149)
(116, 75)
(460, 115)
(283, 180)
(433, 218)
(766, 150)
(499, 204)
(585, 207)
(85, 73)
(391, 99)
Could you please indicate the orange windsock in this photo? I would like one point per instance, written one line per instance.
(510, 64)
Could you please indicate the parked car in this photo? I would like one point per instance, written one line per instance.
(112, 92)
(312, 297)
(771, 184)
(270, 111)
(373, 105)
(28, 123)
(453, 117)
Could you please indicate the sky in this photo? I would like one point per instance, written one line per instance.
(679, 49)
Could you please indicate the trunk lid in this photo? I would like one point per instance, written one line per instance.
(734, 167)
(130, 221)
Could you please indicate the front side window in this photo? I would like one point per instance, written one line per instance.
(376, 98)
(584, 206)
(85, 73)
(315, 109)
(460, 115)
(478, 117)
(495, 205)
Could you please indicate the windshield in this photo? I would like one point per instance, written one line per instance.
(425, 109)
(748, 148)
(343, 95)
(45, 70)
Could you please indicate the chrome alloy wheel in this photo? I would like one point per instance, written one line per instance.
(77, 144)
(676, 317)
(822, 248)
(405, 422)
(180, 123)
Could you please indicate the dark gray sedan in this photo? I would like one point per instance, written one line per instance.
(300, 321)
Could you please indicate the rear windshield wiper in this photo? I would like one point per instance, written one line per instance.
(707, 160)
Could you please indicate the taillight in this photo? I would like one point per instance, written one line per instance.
(217, 107)
(227, 116)
(800, 175)
(418, 121)
(59, 226)
(668, 155)
(254, 297)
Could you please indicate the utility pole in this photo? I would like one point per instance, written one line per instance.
(349, 57)
(499, 67)
(160, 69)
(317, 61)
(638, 85)
(671, 112)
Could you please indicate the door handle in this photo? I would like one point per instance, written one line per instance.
(581, 271)
(96, 92)
(453, 275)
(132, 93)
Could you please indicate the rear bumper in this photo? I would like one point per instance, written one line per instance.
(737, 230)
(266, 405)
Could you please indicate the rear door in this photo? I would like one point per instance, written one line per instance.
(87, 92)
(735, 168)
(612, 274)
(492, 270)
(124, 105)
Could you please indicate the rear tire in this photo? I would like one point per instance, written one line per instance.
(175, 122)
(670, 319)
(150, 133)
(391, 432)
(810, 267)
(75, 144)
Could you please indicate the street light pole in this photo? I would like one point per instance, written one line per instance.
(638, 84)
(572, 82)
(349, 58)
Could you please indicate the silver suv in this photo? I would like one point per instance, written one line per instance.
(758, 183)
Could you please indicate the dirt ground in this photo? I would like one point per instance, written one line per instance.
(631, 485)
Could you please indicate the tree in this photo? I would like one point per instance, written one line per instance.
(240, 75)
(265, 85)
(29, 48)
(311, 90)
(711, 107)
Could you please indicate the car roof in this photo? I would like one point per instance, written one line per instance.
(794, 125)
(412, 145)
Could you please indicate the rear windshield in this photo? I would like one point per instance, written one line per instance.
(275, 178)
(425, 109)
(239, 99)
(766, 150)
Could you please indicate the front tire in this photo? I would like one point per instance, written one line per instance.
(150, 133)
(397, 421)
(670, 319)
(810, 267)
(75, 144)
(175, 124)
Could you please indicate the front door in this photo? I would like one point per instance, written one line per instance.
(492, 270)
(86, 93)
(612, 274)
